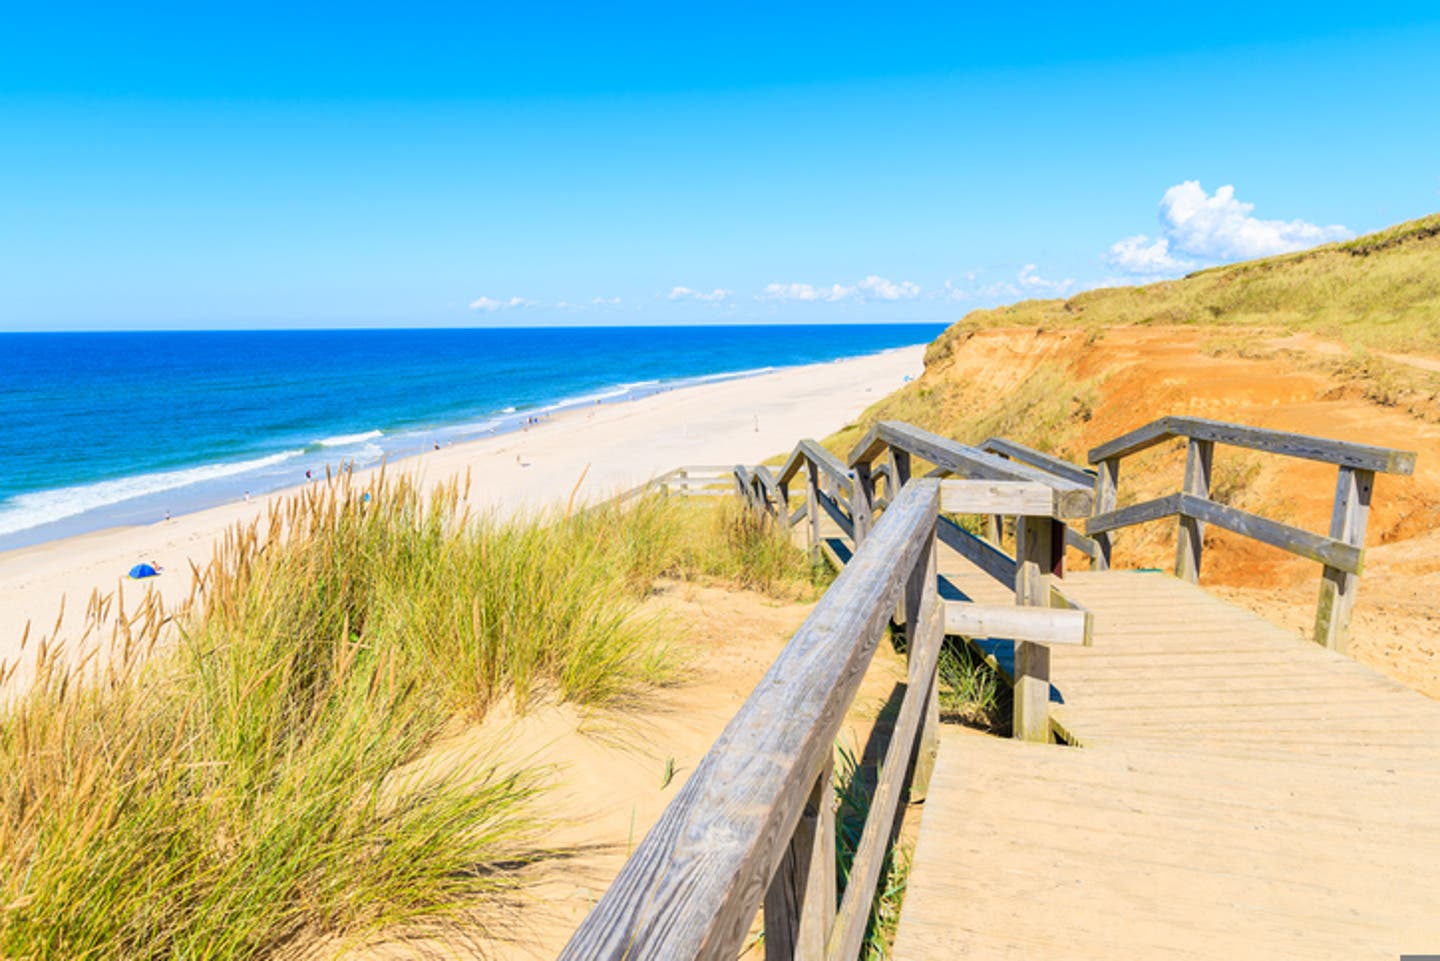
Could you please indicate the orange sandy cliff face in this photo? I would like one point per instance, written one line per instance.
(1133, 375)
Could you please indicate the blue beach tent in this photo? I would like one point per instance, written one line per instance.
(142, 570)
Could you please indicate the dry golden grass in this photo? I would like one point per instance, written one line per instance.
(1380, 291)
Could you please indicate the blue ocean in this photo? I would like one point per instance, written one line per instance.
(103, 429)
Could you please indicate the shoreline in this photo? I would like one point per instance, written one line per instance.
(597, 450)
(280, 417)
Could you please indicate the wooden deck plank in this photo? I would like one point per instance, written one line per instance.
(1243, 794)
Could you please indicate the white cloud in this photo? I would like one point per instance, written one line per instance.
(1212, 228)
(952, 292)
(605, 301)
(1029, 279)
(1220, 227)
(872, 288)
(490, 304)
(1142, 255)
(878, 288)
(807, 292)
(714, 296)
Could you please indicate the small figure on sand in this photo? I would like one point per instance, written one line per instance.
(437, 445)
(757, 423)
(247, 497)
(309, 475)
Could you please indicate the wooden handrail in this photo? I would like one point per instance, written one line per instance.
(1341, 553)
(1359, 456)
(1071, 499)
(1039, 459)
(808, 451)
(750, 823)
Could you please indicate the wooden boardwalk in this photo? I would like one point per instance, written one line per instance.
(1240, 793)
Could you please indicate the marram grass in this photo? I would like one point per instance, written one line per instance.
(232, 778)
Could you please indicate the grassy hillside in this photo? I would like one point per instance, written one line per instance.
(1380, 291)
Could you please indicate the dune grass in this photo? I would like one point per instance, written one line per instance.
(1380, 291)
(231, 778)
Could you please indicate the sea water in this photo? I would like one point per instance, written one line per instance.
(102, 429)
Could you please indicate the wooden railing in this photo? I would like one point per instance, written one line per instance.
(754, 824)
(1341, 552)
(1055, 466)
(694, 480)
(753, 827)
(1038, 500)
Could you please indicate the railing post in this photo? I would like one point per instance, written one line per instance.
(812, 510)
(899, 471)
(862, 504)
(1107, 482)
(922, 630)
(1190, 541)
(1337, 587)
(800, 901)
(1039, 553)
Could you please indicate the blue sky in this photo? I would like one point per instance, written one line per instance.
(380, 165)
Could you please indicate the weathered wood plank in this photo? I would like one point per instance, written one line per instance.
(983, 555)
(1046, 462)
(997, 497)
(1141, 513)
(1039, 625)
(694, 883)
(1071, 499)
(1361, 456)
(854, 911)
(800, 901)
(1039, 555)
(1330, 551)
(1190, 541)
(808, 451)
(828, 505)
(1338, 585)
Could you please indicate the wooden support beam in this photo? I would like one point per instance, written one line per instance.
(1040, 554)
(1317, 547)
(1360, 456)
(923, 629)
(862, 503)
(691, 889)
(800, 901)
(1037, 625)
(812, 509)
(1107, 483)
(997, 497)
(1046, 462)
(1338, 587)
(1190, 541)
(983, 555)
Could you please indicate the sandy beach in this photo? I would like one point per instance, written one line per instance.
(612, 446)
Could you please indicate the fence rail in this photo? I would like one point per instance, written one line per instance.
(1341, 553)
(753, 826)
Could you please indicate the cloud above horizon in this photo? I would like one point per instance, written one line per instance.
(490, 304)
(873, 288)
(713, 297)
(1198, 228)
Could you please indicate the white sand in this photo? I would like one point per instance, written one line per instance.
(742, 421)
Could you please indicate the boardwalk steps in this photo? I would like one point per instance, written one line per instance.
(1234, 791)
(1282, 806)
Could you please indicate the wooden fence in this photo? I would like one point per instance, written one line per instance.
(1341, 553)
(853, 495)
(753, 826)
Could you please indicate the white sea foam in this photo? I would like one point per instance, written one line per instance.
(43, 507)
(340, 440)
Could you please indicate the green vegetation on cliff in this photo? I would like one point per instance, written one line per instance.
(1379, 292)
